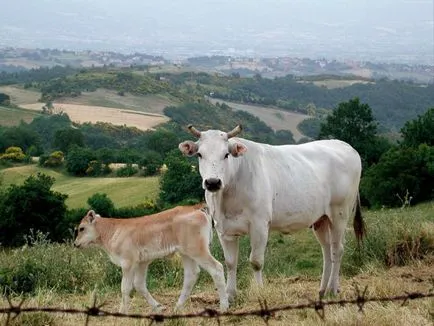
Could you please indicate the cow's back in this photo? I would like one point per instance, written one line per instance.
(296, 183)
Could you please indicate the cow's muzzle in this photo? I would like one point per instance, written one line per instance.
(213, 184)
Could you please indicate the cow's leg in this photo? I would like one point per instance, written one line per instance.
(141, 287)
(191, 273)
(230, 250)
(322, 232)
(215, 269)
(126, 287)
(337, 233)
(258, 243)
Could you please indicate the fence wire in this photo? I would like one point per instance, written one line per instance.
(264, 312)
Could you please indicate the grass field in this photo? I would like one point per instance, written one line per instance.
(103, 97)
(13, 116)
(122, 191)
(274, 118)
(68, 276)
(20, 95)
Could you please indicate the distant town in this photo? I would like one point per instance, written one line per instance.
(15, 59)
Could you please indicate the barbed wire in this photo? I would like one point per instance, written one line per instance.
(264, 312)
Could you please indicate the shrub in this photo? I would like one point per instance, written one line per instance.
(32, 205)
(78, 159)
(127, 171)
(13, 154)
(181, 181)
(55, 159)
(101, 204)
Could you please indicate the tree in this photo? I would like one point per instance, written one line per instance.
(181, 181)
(5, 99)
(65, 138)
(101, 204)
(400, 170)
(20, 136)
(78, 159)
(32, 205)
(353, 123)
(420, 130)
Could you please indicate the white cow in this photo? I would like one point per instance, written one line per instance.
(252, 188)
(133, 243)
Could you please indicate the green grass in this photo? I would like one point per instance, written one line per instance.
(13, 116)
(123, 192)
(60, 267)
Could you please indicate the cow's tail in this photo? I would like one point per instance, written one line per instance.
(358, 223)
(210, 220)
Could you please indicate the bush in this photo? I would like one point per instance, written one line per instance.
(101, 204)
(78, 159)
(55, 159)
(400, 170)
(181, 181)
(127, 171)
(13, 154)
(32, 205)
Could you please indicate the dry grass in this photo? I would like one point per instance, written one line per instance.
(153, 103)
(278, 291)
(20, 95)
(86, 113)
(275, 118)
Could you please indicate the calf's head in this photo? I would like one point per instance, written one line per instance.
(86, 233)
(214, 152)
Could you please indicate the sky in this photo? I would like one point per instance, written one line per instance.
(353, 29)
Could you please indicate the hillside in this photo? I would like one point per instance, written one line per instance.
(123, 191)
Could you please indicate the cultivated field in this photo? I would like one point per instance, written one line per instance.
(87, 113)
(122, 191)
(275, 118)
(397, 256)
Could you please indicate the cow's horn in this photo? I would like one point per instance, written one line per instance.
(235, 131)
(194, 131)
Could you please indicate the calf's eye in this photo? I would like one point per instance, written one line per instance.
(226, 155)
(81, 229)
(199, 155)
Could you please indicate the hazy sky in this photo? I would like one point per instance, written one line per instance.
(364, 27)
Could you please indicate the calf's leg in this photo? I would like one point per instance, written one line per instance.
(126, 287)
(215, 269)
(191, 273)
(140, 285)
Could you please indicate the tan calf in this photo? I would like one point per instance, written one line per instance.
(134, 243)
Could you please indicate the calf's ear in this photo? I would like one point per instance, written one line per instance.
(237, 149)
(91, 216)
(188, 148)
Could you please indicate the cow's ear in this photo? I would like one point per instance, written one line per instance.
(237, 149)
(188, 148)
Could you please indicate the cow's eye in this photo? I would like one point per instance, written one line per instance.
(81, 229)
(226, 155)
(199, 155)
